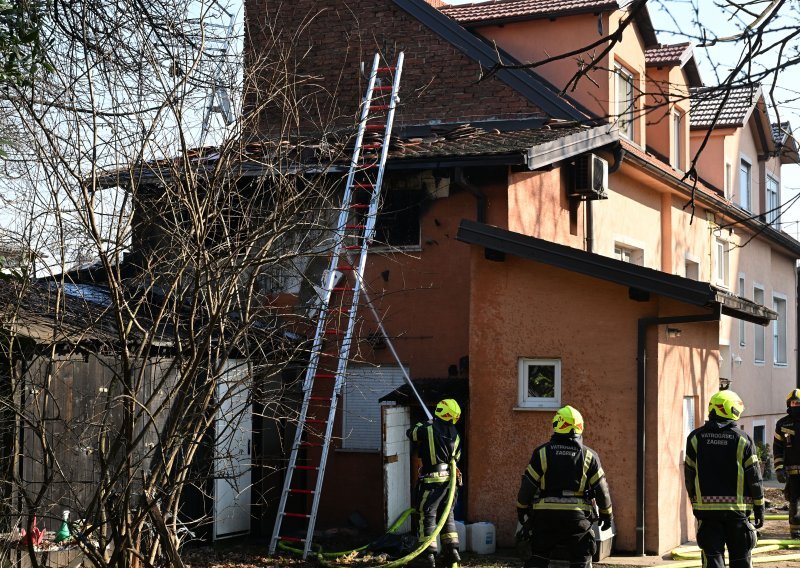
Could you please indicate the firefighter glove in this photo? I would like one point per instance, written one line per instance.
(758, 517)
(459, 478)
(781, 475)
(605, 521)
(522, 516)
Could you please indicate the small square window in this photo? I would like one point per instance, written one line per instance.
(539, 383)
(629, 254)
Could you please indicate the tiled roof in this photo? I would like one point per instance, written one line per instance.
(667, 54)
(504, 10)
(733, 105)
(780, 131)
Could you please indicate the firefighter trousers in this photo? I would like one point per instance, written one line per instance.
(561, 535)
(735, 532)
(792, 493)
(431, 502)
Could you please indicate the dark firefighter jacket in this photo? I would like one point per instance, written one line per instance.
(786, 447)
(722, 471)
(563, 474)
(437, 444)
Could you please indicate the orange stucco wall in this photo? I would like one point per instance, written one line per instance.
(541, 311)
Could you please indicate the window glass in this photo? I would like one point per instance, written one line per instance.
(773, 204)
(744, 185)
(539, 383)
(779, 332)
(677, 140)
(758, 330)
(625, 102)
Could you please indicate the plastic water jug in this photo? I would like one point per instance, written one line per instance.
(461, 529)
(481, 537)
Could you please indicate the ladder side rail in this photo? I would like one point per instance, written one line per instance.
(322, 319)
(344, 352)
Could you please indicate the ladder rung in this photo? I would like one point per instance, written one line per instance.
(311, 445)
(340, 311)
(382, 88)
(316, 421)
(320, 398)
(291, 538)
(347, 266)
(298, 490)
(306, 467)
(324, 376)
(342, 288)
(355, 226)
(378, 107)
(363, 185)
(297, 515)
(372, 146)
(374, 127)
(351, 247)
(370, 166)
(386, 69)
(333, 332)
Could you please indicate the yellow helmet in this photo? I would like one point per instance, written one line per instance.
(448, 410)
(726, 404)
(568, 420)
(793, 398)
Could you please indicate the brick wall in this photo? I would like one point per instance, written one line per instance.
(327, 39)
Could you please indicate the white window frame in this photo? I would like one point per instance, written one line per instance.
(627, 252)
(745, 183)
(722, 258)
(740, 290)
(773, 199)
(677, 140)
(626, 104)
(525, 401)
(361, 411)
(780, 331)
(693, 263)
(759, 335)
(689, 418)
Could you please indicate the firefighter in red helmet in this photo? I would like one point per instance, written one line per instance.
(554, 502)
(786, 456)
(438, 443)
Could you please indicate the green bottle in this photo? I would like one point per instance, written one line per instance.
(63, 532)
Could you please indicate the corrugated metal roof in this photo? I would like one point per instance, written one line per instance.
(732, 104)
(498, 10)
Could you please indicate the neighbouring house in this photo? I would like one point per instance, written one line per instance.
(547, 249)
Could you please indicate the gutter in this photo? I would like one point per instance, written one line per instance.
(641, 390)
(543, 155)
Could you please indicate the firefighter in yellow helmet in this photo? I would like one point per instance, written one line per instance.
(786, 456)
(554, 502)
(437, 443)
(723, 479)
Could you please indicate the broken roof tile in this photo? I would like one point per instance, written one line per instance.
(504, 10)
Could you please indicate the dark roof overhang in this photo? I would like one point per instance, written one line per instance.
(637, 278)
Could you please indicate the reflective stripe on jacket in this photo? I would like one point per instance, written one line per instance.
(786, 447)
(722, 470)
(437, 444)
(564, 475)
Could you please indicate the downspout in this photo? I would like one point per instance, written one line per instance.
(641, 361)
(460, 179)
(619, 155)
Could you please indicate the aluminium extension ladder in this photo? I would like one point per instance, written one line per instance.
(354, 230)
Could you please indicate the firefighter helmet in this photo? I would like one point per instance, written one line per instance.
(448, 410)
(726, 404)
(567, 420)
(793, 398)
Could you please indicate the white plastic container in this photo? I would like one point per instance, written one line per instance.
(461, 529)
(481, 537)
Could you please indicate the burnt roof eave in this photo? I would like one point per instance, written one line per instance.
(686, 290)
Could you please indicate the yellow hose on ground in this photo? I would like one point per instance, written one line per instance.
(691, 555)
(400, 520)
(756, 560)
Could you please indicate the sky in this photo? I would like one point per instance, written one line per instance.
(678, 21)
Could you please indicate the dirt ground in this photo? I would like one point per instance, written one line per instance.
(239, 555)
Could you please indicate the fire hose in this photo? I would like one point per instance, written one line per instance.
(322, 556)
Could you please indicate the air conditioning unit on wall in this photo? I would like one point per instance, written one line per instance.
(589, 178)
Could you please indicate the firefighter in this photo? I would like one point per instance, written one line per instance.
(554, 502)
(723, 479)
(437, 444)
(786, 455)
